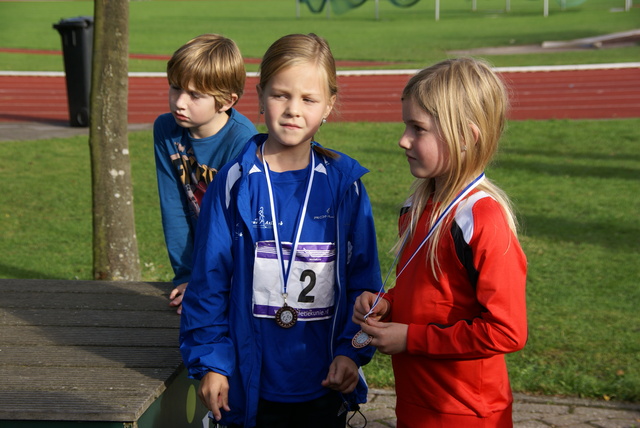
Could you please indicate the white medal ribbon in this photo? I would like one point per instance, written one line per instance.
(284, 272)
(463, 194)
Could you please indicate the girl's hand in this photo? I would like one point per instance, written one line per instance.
(214, 393)
(363, 306)
(343, 375)
(389, 337)
(176, 296)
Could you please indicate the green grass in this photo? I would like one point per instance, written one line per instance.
(410, 37)
(575, 184)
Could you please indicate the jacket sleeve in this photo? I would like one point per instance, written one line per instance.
(362, 270)
(173, 205)
(501, 326)
(204, 329)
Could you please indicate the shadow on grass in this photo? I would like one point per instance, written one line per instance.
(16, 272)
(570, 169)
(614, 235)
(559, 154)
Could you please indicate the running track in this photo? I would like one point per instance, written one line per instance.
(590, 92)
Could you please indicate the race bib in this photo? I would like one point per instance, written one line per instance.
(310, 287)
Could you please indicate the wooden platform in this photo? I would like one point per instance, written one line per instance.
(90, 351)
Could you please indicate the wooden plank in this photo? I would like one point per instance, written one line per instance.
(101, 287)
(165, 318)
(74, 405)
(22, 378)
(90, 356)
(88, 336)
(85, 350)
(94, 300)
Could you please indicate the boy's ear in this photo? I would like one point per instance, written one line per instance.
(226, 106)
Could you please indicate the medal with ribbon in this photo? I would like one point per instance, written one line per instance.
(362, 339)
(287, 316)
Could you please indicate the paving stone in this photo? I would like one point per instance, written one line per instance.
(574, 421)
(616, 423)
(540, 408)
(597, 414)
(529, 424)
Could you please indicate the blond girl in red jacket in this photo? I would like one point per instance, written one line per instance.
(458, 304)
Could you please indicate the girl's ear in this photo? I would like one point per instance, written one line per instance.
(259, 91)
(330, 104)
(475, 131)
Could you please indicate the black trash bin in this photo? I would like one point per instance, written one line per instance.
(77, 48)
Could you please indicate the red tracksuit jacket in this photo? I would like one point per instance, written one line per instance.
(453, 373)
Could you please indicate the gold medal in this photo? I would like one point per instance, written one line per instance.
(361, 339)
(286, 317)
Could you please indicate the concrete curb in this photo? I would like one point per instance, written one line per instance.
(529, 411)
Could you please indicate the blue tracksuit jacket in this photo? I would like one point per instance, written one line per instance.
(218, 331)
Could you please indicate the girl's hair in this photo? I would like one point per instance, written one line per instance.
(211, 63)
(468, 103)
(297, 49)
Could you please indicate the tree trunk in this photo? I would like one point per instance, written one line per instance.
(115, 247)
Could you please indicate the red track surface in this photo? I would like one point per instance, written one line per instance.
(575, 94)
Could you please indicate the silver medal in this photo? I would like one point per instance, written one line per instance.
(361, 339)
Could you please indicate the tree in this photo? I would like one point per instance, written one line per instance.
(115, 247)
